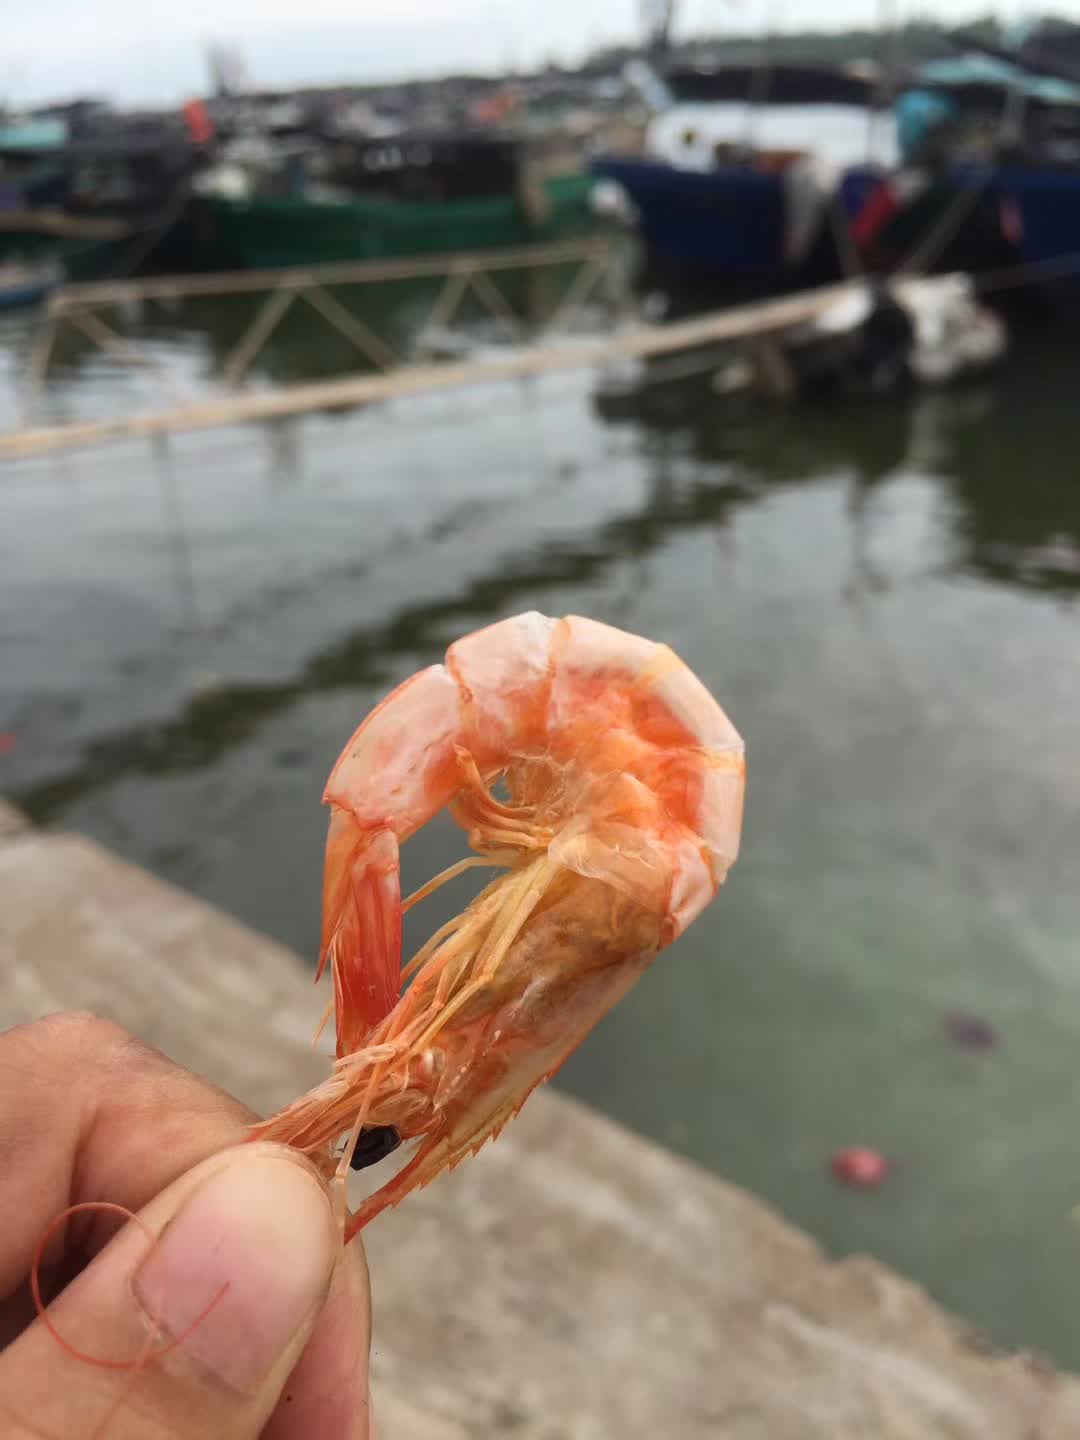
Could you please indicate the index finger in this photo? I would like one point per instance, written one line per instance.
(89, 1113)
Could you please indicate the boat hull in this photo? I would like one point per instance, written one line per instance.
(228, 234)
(720, 226)
(1048, 210)
(81, 259)
(1015, 218)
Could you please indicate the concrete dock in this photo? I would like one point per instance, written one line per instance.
(573, 1282)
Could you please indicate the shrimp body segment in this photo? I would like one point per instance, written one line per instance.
(625, 784)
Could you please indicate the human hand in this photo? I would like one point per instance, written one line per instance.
(89, 1114)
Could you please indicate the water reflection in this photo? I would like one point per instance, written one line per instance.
(707, 457)
(175, 530)
(285, 450)
(1011, 473)
(218, 718)
(998, 448)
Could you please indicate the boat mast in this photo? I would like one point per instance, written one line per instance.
(761, 74)
(888, 28)
(656, 18)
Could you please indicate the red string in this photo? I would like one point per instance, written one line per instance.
(148, 1353)
(135, 1366)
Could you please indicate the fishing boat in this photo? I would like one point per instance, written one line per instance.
(989, 179)
(722, 195)
(390, 196)
(94, 197)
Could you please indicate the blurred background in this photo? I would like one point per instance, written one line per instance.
(859, 522)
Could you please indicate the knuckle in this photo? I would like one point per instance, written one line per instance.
(67, 1043)
(103, 1048)
(81, 1033)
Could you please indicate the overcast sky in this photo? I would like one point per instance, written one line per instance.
(144, 51)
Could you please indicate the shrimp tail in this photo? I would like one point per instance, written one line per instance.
(430, 1160)
(437, 1152)
(361, 937)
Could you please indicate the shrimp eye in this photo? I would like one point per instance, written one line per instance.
(374, 1144)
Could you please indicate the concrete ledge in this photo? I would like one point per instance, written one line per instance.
(12, 821)
(573, 1281)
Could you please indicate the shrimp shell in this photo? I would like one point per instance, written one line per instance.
(625, 784)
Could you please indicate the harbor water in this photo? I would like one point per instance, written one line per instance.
(884, 596)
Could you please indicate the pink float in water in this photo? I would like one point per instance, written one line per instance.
(860, 1167)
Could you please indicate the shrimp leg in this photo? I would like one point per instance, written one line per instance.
(537, 879)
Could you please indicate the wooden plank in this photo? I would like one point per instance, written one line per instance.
(236, 282)
(738, 323)
(370, 345)
(57, 222)
(256, 335)
(94, 328)
(578, 291)
(39, 364)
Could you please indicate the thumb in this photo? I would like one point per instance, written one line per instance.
(237, 1273)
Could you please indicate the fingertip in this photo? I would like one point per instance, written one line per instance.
(327, 1393)
(259, 1233)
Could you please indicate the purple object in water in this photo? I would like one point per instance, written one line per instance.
(971, 1032)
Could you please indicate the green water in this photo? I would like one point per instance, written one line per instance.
(884, 597)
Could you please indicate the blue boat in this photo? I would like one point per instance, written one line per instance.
(736, 191)
(1048, 217)
(989, 177)
(727, 223)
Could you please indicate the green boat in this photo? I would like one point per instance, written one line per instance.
(266, 233)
